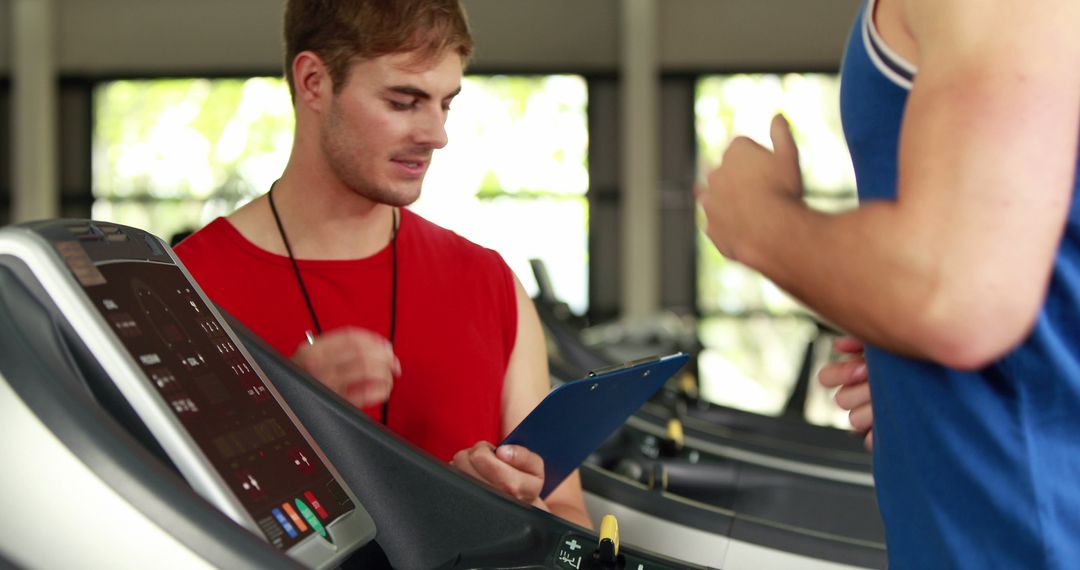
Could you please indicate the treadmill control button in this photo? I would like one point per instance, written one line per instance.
(301, 462)
(573, 552)
(284, 522)
(289, 510)
(249, 484)
(568, 560)
(315, 504)
(311, 518)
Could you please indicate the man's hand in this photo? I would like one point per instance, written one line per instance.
(509, 468)
(356, 363)
(746, 185)
(851, 376)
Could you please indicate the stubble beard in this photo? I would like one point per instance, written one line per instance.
(348, 168)
(361, 185)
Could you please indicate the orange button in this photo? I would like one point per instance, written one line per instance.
(299, 522)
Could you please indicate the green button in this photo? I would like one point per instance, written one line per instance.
(310, 517)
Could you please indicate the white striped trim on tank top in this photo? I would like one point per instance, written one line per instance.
(889, 63)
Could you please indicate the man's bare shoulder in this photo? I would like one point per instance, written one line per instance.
(890, 21)
(964, 26)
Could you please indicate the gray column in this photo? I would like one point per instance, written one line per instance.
(640, 157)
(34, 154)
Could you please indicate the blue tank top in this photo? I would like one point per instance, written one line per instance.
(973, 469)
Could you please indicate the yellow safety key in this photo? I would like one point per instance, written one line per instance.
(609, 531)
(675, 433)
(688, 385)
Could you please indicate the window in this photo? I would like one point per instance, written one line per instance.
(754, 334)
(515, 174)
(170, 155)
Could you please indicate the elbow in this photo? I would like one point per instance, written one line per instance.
(967, 331)
(972, 351)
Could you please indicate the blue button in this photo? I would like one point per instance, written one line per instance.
(284, 522)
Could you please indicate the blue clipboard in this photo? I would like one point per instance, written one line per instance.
(576, 417)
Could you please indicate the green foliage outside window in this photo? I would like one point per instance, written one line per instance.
(170, 155)
(754, 333)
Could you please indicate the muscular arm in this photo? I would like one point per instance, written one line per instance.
(527, 382)
(512, 468)
(956, 269)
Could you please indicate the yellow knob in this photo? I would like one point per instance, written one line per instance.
(688, 385)
(675, 433)
(609, 530)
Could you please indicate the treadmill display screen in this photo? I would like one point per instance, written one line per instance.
(213, 390)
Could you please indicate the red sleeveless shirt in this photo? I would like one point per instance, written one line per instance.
(456, 318)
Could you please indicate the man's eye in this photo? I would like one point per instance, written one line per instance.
(398, 105)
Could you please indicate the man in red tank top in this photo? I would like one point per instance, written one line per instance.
(427, 332)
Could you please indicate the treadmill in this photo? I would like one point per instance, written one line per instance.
(736, 481)
(146, 428)
(708, 422)
(811, 513)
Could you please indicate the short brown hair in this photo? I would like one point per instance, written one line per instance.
(340, 31)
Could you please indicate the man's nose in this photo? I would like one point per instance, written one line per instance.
(431, 129)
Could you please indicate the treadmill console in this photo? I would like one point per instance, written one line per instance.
(193, 384)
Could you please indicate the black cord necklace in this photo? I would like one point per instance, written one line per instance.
(307, 297)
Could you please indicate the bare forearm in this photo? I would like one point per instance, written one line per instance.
(868, 270)
(571, 512)
(860, 270)
(904, 283)
(568, 502)
(956, 268)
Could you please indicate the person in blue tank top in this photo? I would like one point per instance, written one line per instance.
(960, 270)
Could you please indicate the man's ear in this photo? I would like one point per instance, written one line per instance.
(312, 81)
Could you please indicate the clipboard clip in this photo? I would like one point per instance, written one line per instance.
(623, 366)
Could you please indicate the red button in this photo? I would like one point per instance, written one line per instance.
(315, 504)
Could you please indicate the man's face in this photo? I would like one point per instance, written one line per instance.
(380, 130)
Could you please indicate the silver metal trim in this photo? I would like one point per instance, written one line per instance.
(788, 465)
